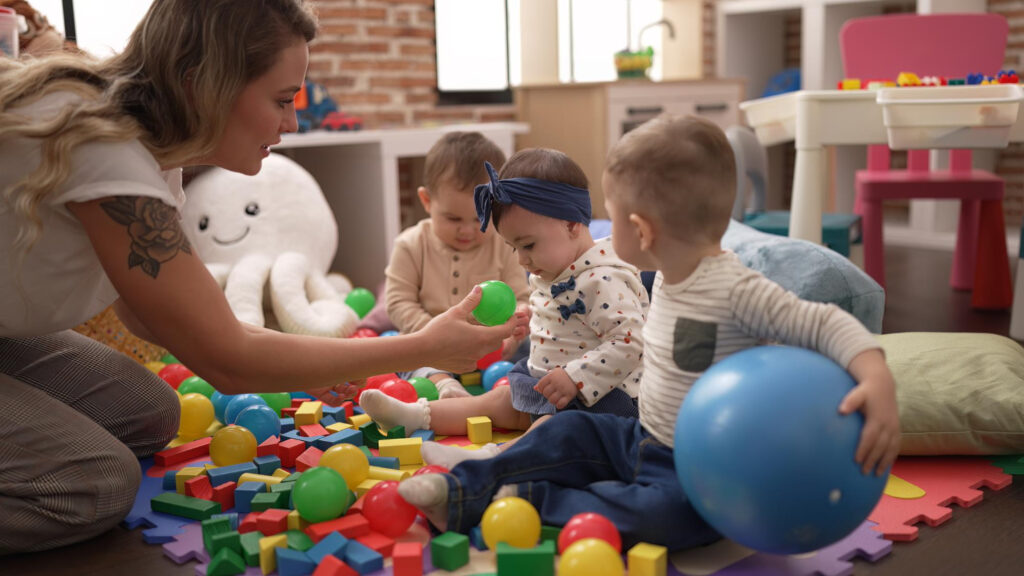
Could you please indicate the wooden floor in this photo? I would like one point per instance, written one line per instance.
(985, 539)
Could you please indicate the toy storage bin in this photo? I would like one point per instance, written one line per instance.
(773, 118)
(950, 116)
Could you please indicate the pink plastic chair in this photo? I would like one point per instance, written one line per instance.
(950, 45)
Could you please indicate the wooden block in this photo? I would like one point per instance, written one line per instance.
(378, 473)
(349, 526)
(268, 557)
(200, 487)
(184, 453)
(250, 477)
(407, 559)
(647, 560)
(407, 450)
(308, 459)
(309, 413)
(478, 428)
(184, 506)
(184, 475)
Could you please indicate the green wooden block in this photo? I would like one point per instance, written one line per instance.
(211, 527)
(298, 540)
(450, 551)
(184, 506)
(371, 434)
(290, 478)
(396, 433)
(251, 547)
(537, 561)
(366, 452)
(218, 542)
(227, 562)
(285, 487)
(550, 533)
(267, 500)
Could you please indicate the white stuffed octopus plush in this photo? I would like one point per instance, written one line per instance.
(274, 230)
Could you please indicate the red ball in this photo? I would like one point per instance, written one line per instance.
(503, 381)
(364, 333)
(174, 374)
(386, 511)
(374, 382)
(399, 390)
(589, 525)
(489, 359)
(431, 469)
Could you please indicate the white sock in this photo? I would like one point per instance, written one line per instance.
(429, 493)
(451, 456)
(389, 412)
(450, 388)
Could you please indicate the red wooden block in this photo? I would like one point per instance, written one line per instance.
(333, 566)
(248, 524)
(378, 543)
(184, 453)
(311, 430)
(308, 459)
(407, 559)
(272, 521)
(225, 494)
(269, 447)
(350, 526)
(349, 409)
(296, 402)
(289, 412)
(200, 487)
(289, 450)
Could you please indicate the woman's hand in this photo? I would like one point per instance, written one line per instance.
(459, 341)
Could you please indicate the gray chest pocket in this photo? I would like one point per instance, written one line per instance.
(693, 345)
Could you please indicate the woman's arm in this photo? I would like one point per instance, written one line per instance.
(125, 315)
(167, 288)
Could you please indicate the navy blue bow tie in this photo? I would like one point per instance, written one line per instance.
(577, 307)
(560, 287)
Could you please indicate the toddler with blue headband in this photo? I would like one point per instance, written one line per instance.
(587, 311)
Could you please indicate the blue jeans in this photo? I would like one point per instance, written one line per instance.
(584, 462)
(527, 400)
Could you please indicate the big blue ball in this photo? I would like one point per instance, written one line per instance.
(764, 455)
(261, 420)
(220, 404)
(240, 402)
(495, 372)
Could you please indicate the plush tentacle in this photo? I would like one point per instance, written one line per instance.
(326, 315)
(244, 287)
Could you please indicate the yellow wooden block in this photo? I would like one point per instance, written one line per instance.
(379, 473)
(471, 378)
(309, 413)
(338, 427)
(850, 84)
(358, 420)
(281, 473)
(268, 557)
(478, 428)
(648, 560)
(209, 466)
(364, 486)
(250, 477)
(186, 474)
(295, 522)
(407, 450)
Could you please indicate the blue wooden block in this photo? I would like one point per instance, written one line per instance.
(287, 425)
(385, 462)
(293, 562)
(232, 473)
(332, 410)
(267, 464)
(244, 495)
(307, 440)
(427, 435)
(362, 559)
(348, 436)
(231, 516)
(169, 481)
(333, 544)
(327, 421)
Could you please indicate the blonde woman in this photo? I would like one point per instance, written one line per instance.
(90, 188)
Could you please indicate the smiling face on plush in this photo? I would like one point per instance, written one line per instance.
(281, 209)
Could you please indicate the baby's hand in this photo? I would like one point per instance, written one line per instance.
(521, 321)
(335, 395)
(875, 396)
(557, 387)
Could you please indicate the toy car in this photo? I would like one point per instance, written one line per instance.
(341, 121)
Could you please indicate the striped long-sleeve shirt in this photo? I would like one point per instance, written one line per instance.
(724, 307)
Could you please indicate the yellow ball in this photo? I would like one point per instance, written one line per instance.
(590, 557)
(155, 366)
(513, 521)
(349, 461)
(232, 445)
(196, 415)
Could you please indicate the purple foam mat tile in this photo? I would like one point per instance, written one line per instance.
(162, 527)
(188, 546)
(834, 560)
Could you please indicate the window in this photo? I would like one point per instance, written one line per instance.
(590, 32)
(102, 27)
(472, 38)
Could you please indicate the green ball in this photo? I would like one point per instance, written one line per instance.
(197, 385)
(497, 304)
(320, 494)
(361, 300)
(425, 388)
(277, 400)
(169, 359)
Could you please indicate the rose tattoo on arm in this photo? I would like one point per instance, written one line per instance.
(153, 228)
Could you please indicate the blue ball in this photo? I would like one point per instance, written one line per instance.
(764, 455)
(220, 403)
(387, 333)
(495, 372)
(262, 421)
(240, 402)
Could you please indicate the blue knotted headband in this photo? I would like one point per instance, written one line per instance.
(553, 199)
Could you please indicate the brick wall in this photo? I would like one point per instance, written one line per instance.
(376, 58)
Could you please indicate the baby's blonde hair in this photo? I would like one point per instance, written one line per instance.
(680, 170)
(172, 88)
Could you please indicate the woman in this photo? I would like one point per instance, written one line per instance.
(90, 174)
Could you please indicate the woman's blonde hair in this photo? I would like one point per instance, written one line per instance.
(172, 88)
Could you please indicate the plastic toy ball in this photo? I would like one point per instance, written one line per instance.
(320, 494)
(155, 366)
(169, 359)
(261, 420)
(347, 460)
(488, 359)
(386, 511)
(240, 402)
(765, 456)
(361, 300)
(431, 469)
(399, 390)
(220, 403)
(277, 400)
(590, 557)
(196, 384)
(511, 520)
(232, 445)
(589, 525)
(196, 415)
(503, 381)
(494, 372)
(174, 374)
(388, 333)
(497, 303)
(425, 388)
